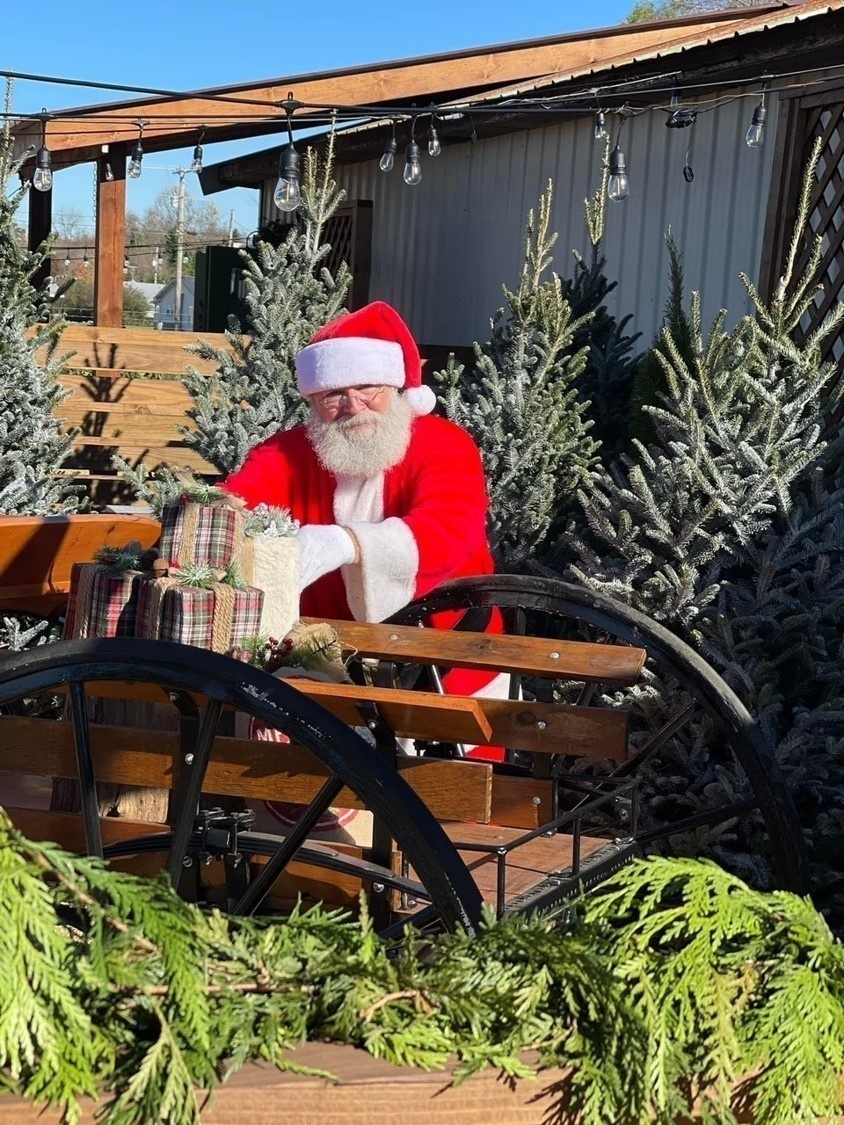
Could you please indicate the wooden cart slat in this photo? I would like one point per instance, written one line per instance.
(584, 732)
(616, 665)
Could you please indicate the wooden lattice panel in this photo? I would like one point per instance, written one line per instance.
(807, 115)
(339, 231)
(826, 219)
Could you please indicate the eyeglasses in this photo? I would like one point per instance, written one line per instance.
(332, 400)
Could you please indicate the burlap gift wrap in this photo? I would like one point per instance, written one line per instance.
(215, 618)
(272, 564)
(201, 534)
(103, 601)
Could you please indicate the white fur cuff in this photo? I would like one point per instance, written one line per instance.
(389, 563)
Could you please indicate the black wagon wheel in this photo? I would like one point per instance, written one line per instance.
(184, 672)
(682, 698)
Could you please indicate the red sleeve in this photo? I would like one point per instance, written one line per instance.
(264, 476)
(448, 507)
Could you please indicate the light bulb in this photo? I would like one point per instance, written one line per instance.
(618, 187)
(85, 262)
(67, 261)
(388, 158)
(134, 169)
(287, 195)
(434, 146)
(42, 179)
(599, 131)
(108, 173)
(196, 163)
(755, 134)
(412, 174)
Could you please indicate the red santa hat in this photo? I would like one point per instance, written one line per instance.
(371, 345)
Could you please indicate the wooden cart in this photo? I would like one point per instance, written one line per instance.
(450, 834)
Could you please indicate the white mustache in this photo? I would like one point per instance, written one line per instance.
(368, 418)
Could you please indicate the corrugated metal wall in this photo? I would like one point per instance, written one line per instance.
(442, 250)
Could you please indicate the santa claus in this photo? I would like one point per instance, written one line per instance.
(391, 500)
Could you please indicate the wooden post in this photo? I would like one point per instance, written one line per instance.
(110, 238)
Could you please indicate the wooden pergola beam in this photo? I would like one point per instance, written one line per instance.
(77, 135)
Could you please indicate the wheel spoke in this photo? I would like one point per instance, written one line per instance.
(292, 842)
(192, 769)
(85, 768)
(709, 818)
(666, 731)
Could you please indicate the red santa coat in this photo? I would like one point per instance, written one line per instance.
(418, 524)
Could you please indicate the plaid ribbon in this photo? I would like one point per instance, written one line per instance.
(217, 618)
(193, 533)
(103, 601)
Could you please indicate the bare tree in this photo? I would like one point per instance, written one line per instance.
(71, 225)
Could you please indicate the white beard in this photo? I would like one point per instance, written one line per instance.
(365, 444)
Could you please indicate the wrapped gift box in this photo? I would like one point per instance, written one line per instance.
(272, 564)
(215, 617)
(194, 534)
(103, 601)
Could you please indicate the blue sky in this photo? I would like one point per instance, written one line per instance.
(190, 44)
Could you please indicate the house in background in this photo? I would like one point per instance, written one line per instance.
(441, 250)
(165, 315)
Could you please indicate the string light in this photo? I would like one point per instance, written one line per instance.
(287, 195)
(618, 186)
(434, 146)
(42, 179)
(388, 157)
(196, 162)
(134, 169)
(67, 260)
(599, 128)
(85, 262)
(412, 174)
(755, 134)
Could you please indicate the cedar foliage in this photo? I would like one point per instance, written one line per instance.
(676, 982)
(290, 293)
(520, 401)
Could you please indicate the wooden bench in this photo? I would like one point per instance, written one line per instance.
(522, 847)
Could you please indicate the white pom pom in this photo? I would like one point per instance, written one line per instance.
(421, 400)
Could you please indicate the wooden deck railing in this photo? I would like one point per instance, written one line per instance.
(128, 398)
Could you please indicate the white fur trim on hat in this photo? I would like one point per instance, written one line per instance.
(347, 361)
(421, 400)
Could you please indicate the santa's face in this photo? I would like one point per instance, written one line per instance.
(358, 401)
(359, 431)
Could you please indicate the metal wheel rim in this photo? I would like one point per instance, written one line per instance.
(186, 668)
(566, 600)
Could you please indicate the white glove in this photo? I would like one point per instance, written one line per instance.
(324, 547)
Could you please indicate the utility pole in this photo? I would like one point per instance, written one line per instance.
(180, 241)
(230, 241)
